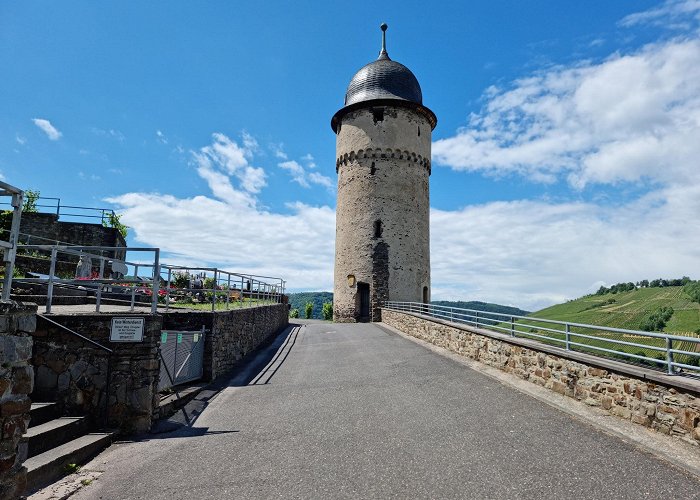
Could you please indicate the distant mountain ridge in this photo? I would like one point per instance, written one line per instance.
(299, 300)
(482, 306)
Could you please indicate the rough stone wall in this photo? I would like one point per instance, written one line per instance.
(17, 323)
(78, 233)
(74, 372)
(231, 334)
(236, 333)
(628, 392)
(383, 172)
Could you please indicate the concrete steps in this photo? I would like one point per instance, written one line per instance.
(51, 465)
(54, 442)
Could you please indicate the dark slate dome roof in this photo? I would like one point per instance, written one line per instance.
(383, 82)
(383, 79)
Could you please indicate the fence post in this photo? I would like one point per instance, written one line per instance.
(52, 271)
(228, 291)
(133, 286)
(98, 299)
(167, 290)
(669, 356)
(213, 292)
(477, 319)
(568, 336)
(512, 326)
(155, 286)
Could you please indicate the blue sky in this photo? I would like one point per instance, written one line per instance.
(565, 156)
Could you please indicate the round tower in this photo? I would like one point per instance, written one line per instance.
(382, 242)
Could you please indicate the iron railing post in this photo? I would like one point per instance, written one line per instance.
(168, 285)
(156, 282)
(98, 297)
(52, 271)
(512, 326)
(133, 286)
(228, 290)
(213, 292)
(477, 319)
(669, 355)
(568, 337)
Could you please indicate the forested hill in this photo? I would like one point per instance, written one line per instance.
(482, 306)
(299, 300)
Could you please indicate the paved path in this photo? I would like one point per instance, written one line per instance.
(355, 411)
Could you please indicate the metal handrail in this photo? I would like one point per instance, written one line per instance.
(109, 364)
(506, 323)
(158, 280)
(57, 208)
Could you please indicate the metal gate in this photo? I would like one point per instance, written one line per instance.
(181, 357)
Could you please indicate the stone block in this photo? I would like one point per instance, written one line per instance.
(46, 378)
(23, 379)
(19, 405)
(26, 323)
(606, 402)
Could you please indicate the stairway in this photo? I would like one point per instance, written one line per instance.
(55, 441)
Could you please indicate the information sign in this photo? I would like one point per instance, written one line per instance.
(126, 330)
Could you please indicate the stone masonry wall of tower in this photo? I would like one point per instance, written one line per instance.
(383, 208)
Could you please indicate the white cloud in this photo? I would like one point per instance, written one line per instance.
(630, 118)
(161, 137)
(676, 14)
(228, 229)
(533, 254)
(297, 247)
(225, 157)
(20, 140)
(51, 132)
(301, 176)
(296, 171)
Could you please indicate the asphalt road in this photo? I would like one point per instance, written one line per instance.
(355, 411)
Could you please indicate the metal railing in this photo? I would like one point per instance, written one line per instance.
(45, 204)
(9, 247)
(109, 352)
(123, 280)
(105, 280)
(226, 289)
(675, 353)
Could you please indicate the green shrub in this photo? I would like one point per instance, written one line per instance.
(327, 311)
(294, 313)
(656, 320)
(308, 310)
(181, 279)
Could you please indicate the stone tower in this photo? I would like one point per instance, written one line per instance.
(382, 242)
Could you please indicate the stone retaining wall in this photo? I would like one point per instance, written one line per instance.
(74, 372)
(17, 322)
(233, 333)
(667, 404)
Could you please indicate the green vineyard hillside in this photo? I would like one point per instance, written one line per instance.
(629, 309)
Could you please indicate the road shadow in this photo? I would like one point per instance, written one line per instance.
(256, 368)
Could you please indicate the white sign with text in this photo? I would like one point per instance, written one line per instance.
(126, 330)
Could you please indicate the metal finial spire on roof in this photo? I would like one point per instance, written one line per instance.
(383, 54)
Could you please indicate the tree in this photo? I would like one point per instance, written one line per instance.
(294, 313)
(30, 199)
(114, 220)
(327, 311)
(309, 310)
